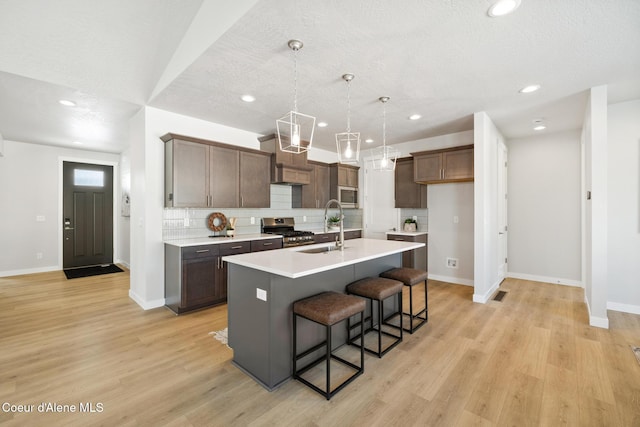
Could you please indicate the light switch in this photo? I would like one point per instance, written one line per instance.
(456, 219)
(261, 294)
(40, 218)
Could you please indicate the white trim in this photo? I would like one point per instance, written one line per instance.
(126, 264)
(146, 305)
(598, 322)
(454, 280)
(483, 299)
(625, 308)
(545, 279)
(116, 200)
(29, 271)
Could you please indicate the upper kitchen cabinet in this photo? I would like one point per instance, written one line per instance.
(286, 167)
(201, 174)
(343, 176)
(316, 194)
(445, 165)
(408, 194)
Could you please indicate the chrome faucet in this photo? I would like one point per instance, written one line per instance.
(339, 244)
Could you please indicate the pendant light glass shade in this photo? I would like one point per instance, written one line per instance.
(295, 130)
(348, 143)
(383, 158)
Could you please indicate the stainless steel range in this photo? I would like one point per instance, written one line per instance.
(286, 228)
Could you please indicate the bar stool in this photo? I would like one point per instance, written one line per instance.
(377, 289)
(411, 277)
(327, 309)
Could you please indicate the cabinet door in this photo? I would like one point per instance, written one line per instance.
(308, 192)
(352, 178)
(190, 174)
(458, 164)
(322, 185)
(198, 277)
(224, 169)
(255, 179)
(427, 167)
(234, 248)
(408, 194)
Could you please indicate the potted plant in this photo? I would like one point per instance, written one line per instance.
(410, 224)
(334, 222)
(230, 230)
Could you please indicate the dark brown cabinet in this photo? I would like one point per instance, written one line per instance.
(332, 236)
(343, 176)
(316, 194)
(201, 173)
(416, 258)
(286, 167)
(408, 194)
(446, 165)
(196, 277)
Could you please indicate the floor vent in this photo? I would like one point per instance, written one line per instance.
(499, 296)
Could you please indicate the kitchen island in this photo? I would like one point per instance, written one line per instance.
(263, 286)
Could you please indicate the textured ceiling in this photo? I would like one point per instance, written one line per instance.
(443, 59)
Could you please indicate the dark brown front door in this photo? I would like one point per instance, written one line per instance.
(87, 214)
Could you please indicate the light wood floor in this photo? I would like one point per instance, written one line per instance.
(531, 359)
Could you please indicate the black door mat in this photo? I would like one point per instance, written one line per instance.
(75, 273)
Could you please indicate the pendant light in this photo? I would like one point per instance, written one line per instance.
(383, 158)
(295, 130)
(348, 143)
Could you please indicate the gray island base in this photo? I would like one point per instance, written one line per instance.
(262, 289)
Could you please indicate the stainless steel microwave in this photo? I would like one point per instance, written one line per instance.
(348, 197)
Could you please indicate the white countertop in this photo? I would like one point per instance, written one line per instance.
(292, 263)
(197, 241)
(407, 233)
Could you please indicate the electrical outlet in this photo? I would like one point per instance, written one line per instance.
(38, 255)
(40, 218)
(261, 294)
(456, 219)
(452, 262)
(186, 222)
(415, 217)
(253, 220)
(304, 218)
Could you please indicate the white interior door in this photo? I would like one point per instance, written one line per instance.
(379, 212)
(502, 211)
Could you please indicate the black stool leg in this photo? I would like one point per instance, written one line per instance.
(328, 394)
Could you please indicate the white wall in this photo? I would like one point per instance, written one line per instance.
(30, 186)
(623, 187)
(448, 239)
(486, 271)
(124, 228)
(544, 208)
(594, 139)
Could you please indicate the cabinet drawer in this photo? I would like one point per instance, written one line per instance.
(324, 237)
(203, 251)
(353, 234)
(235, 248)
(401, 238)
(266, 245)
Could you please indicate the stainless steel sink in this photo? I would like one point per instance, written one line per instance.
(320, 250)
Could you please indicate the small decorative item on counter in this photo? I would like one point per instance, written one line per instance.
(231, 226)
(410, 224)
(334, 222)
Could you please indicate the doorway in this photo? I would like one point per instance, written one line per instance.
(87, 214)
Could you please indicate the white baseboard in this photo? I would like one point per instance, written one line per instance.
(598, 322)
(146, 305)
(29, 271)
(545, 279)
(454, 280)
(126, 264)
(483, 298)
(625, 308)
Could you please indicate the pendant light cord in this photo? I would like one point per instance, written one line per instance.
(295, 80)
(349, 106)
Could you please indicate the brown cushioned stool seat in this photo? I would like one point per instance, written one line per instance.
(327, 309)
(378, 289)
(411, 277)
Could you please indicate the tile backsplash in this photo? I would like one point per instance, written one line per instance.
(181, 223)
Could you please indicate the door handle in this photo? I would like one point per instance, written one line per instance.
(69, 228)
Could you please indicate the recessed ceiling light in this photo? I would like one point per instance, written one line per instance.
(529, 89)
(77, 142)
(322, 124)
(368, 140)
(248, 98)
(503, 7)
(540, 127)
(415, 117)
(67, 103)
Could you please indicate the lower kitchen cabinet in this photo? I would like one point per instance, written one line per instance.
(331, 236)
(196, 277)
(416, 258)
